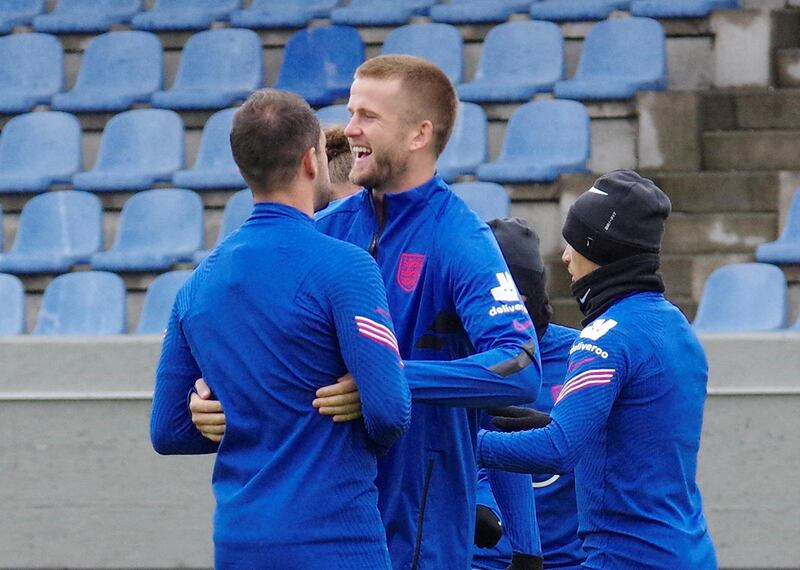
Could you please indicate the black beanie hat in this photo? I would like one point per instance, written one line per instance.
(519, 244)
(623, 214)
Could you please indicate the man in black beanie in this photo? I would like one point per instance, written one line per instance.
(629, 414)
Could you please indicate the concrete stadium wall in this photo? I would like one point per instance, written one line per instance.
(81, 487)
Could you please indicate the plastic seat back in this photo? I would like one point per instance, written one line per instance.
(440, 44)
(537, 48)
(159, 300)
(215, 148)
(83, 303)
(680, 8)
(237, 210)
(32, 64)
(744, 297)
(468, 146)
(12, 305)
(20, 12)
(333, 115)
(226, 58)
(487, 199)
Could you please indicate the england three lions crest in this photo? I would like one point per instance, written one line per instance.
(409, 270)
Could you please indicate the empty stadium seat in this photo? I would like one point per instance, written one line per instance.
(217, 68)
(86, 16)
(138, 149)
(19, 13)
(680, 8)
(159, 300)
(486, 199)
(117, 70)
(184, 15)
(83, 303)
(477, 11)
(319, 63)
(56, 231)
(576, 10)
(468, 144)
(214, 167)
(333, 115)
(12, 308)
(2, 236)
(438, 43)
(237, 210)
(610, 69)
(380, 12)
(157, 229)
(31, 71)
(537, 63)
(786, 249)
(543, 140)
(39, 149)
(282, 13)
(743, 297)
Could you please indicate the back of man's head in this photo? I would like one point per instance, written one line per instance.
(271, 132)
(430, 94)
(340, 158)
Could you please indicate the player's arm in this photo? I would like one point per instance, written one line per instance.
(171, 428)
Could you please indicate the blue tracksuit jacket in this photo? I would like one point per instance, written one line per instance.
(277, 311)
(630, 415)
(467, 341)
(556, 511)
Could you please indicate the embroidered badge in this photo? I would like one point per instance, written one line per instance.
(409, 270)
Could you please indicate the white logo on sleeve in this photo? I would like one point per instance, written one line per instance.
(598, 328)
(506, 292)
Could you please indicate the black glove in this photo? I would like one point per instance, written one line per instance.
(525, 562)
(513, 418)
(488, 528)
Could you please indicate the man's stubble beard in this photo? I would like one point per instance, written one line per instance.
(386, 169)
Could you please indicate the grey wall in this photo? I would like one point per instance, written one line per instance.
(81, 487)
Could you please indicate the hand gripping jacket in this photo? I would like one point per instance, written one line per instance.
(467, 342)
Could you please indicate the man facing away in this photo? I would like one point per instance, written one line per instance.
(629, 415)
(274, 313)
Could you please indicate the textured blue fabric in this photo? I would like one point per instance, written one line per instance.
(39, 149)
(743, 297)
(441, 44)
(488, 200)
(237, 210)
(282, 13)
(86, 16)
(56, 230)
(468, 146)
(628, 419)
(786, 249)
(158, 301)
(543, 140)
(680, 8)
(459, 325)
(293, 489)
(380, 12)
(31, 71)
(576, 10)
(12, 310)
(184, 15)
(477, 11)
(117, 70)
(19, 13)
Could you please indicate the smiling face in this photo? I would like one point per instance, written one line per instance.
(577, 265)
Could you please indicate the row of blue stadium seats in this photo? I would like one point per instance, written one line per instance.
(93, 16)
(157, 228)
(220, 67)
(143, 147)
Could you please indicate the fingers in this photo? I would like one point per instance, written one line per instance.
(202, 389)
(347, 417)
(346, 378)
(337, 410)
(199, 406)
(340, 388)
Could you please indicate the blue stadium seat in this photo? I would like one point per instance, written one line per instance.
(380, 12)
(543, 140)
(486, 199)
(319, 63)
(184, 15)
(39, 149)
(264, 14)
(86, 16)
(333, 115)
(743, 297)
(138, 149)
(117, 70)
(576, 10)
(159, 300)
(19, 13)
(537, 63)
(680, 8)
(56, 231)
(477, 11)
(157, 229)
(468, 144)
(610, 69)
(237, 210)
(2, 236)
(12, 307)
(214, 167)
(83, 303)
(218, 68)
(786, 249)
(31, 71)
(438, 43)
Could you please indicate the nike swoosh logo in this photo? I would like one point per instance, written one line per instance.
(585, 296)
(522, 327)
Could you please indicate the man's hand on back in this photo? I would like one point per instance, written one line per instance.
(207, 414)
(340, 400)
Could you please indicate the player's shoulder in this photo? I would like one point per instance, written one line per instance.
(341, 208)
(558, 337)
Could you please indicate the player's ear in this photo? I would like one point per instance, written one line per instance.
(309, 163)
(423, 135)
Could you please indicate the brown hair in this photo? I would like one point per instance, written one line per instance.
(340, 158)
(431, 94)
(271, 132)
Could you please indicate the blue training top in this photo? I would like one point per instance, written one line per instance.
(629, 415)
(467, 341)
(277, 311)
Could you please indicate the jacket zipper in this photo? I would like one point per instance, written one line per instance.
(373, 245)
(421, 518)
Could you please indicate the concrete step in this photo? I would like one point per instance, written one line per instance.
(752, 150)
(752, 109)
(718, 233)
(719, 192)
